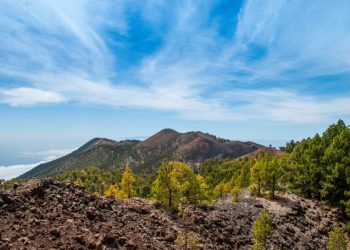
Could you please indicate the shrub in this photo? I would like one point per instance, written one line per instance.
(187, 241)
(347, 227)
(235, 191)
(336, 240)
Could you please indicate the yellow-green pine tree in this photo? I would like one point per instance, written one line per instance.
(221, 189)
(235, 191)
(171, 183)
(262, 229)
(127, 182)
(336, 239)
(256, 178)
(112, 190)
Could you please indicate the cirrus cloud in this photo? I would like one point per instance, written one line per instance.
(121, 55)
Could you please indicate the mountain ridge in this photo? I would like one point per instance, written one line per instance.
(145, 156)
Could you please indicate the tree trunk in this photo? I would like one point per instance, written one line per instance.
(273, 186)
(170, 198)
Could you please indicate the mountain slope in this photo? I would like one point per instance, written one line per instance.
(146, 156)
(102, 153)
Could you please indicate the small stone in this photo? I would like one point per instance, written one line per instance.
(54, 232)
(130, 245)
(4, 246)
(5, 196)
(122, 240)
(170, 237)
(91, 213)
(70, 221)
(80, 239)
(109, 239)
(5, 239)
(31, 236)
(15, 186)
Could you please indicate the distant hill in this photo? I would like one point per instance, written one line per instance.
(261, 152)
(146, 156)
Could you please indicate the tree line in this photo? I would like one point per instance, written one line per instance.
(317, 167)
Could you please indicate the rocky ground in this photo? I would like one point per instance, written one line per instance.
(55, 215)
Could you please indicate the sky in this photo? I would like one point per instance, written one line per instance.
(267, 71)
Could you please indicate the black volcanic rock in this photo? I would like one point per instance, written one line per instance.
(56, 215)
(145, 156)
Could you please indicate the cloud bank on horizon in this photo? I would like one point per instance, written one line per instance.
(13, 171)
(10, 172)
(280, 61)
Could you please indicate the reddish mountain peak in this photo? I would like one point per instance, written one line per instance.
(163, 137)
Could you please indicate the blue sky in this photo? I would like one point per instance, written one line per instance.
(268, 71)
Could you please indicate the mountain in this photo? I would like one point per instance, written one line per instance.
(146, 156)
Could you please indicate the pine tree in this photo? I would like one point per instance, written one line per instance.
(115, 192)
(112, 190)
(336, 239)
(96, 194)
(307, 167)
(256, 178)
(290, 146)
(79, 182)
(317, 164)
(127, 182)
(271, 174)
(262, 229)
(167, 186)
(176, 183)
(221, 189)
(194, 188)
(235, 191)
(336, 186)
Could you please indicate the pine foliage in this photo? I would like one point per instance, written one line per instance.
(262, 229)
(336, 239)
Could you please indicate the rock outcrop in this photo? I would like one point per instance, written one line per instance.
(55, 215)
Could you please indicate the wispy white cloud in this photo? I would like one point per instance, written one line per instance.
(13, 171)
(307, 38)
(29, 97)
(56, 36)
(48, 155)
(61, 52)
(287, 106)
